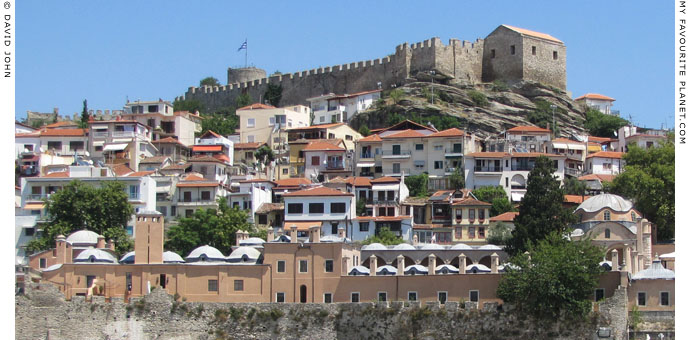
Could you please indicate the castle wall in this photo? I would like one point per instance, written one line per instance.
(498, 61)
(542, 67)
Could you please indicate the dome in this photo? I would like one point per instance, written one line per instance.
(252, 241)
(416, 269)
(95, 256)
(490, 247)
(332, 238)
(606, 265)
(83, 237)
(386, 270)
(205, 254)
(244, 255)
(432, 246)
(461, 246)
(654, 272)
(375, 246)
(404, 246)
(127, 258)
(598, 202)
(172, 257)
(282, 238)
(477, 268)
(447, 269)
(359, 270)
(577, 232)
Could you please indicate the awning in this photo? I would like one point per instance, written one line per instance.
(30, 159)
(115, 147)
(560, 146)
(207, 148)
(121, 140)
(301, 226)
(34, 206)
(365, 165)
(99, 127)
(517, 196)
(98, 143)
(576, 146)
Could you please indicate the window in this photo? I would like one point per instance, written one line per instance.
(263, 219)
(364, 226)
(354, 297)
(76, 146)
(555, 55)
(315, 160)
(133, 192)
(322, 119)
(130, 230)
(328, 266)
(470, 232)
(481, 214)
(641, 298)
(271, 121)
(42, 263)
(173, 211)
(607, 215)
(280, 267)
(383, 296)
(294, 208)
(664, 299)
(419, 147)
(337, 208)
(285, 171)
(442, 297)
(474, 296)
(188, 213)
(205, 195)
(438, 164)
(239, 285)
(438, 147)
(419, 164)
(251, 122)
(481, 232)
(458, 232)
(302, 266)
(607, 233)
(31, 231)
(471, 216)
(280, 297)
(512, 49)
(348, 137)
(327, 297)
(633, 216)
(493, 54)
(534, 50)
(396, 168)
(412, 296)
(55, 145)
(99, 148)
(316, 208)
(212, 285)
(598, 294)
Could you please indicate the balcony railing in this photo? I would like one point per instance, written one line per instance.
(453, 152)
(366, 155)
(396, 154)
(100, 134)
(573, 172)
(385, 202)
(196, 202)
(36, 197)
(488, 169)
(517, 167)
(396, 172)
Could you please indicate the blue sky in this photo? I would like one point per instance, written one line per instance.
(106, 51)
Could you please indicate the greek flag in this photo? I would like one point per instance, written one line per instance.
(244, 46)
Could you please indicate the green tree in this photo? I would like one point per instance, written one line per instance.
(361, 207)
(243, 100)
(273, 94)
(499, 234)
(649, 181)
(216, 228)
(543, 114)
(602, 125)
(264, 155)
(418, 185)
(222, 122)
(396, 95)
(104, 210)
(495, 195)
(364, 131)
(191, 105)
(457, 179)
(209, 81)
(478, 98)
(384, 236)
(84, 121)
(572, 186)
(558, 276)
(541, 209)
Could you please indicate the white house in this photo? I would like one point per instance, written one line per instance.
(339, 108)
(120, 142)
(384, 209)
(330, 209)
(214, 145)
(268, 124)
(604, 163)
(195, 192)
(164, 122)
(325, 160)
(629, 135)
(251, 195)
(597, 101)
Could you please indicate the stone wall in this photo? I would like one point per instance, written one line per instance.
(42, 313)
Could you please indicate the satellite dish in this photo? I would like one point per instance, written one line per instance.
(615, 133)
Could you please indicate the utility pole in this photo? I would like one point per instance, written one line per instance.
(553, 118)
(433, 73)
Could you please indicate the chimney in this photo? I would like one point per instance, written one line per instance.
(238, 237)
(614, 260)
(494, 263)
(341, 233)
(293, 233)
(110, 245)
(269, 235)
(415, 240)
(372, 265)
(432, 264)
(148, 238)
(401, 265)
(63, 254)
(314, 234)
(647, 243)
(635, 261)
(462, 263)
(628, 260)
(100, 244)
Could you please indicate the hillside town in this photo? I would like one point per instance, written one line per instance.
(322, 200)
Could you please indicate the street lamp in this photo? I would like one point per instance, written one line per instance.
(553, 117)
(432, 73)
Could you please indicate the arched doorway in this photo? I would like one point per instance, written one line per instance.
(303, 294)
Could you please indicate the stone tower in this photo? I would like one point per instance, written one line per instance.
(148, 238)
(245, 74)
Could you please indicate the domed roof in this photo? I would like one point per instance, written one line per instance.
(598, 202)
(206, 254)
(244, 254)
(415, 269)
(172, 257)
(359, 270)
(386, 270)
(432, 246)
(404, 246)
(477, 268)
(655, 272)
(127, 258)
(446, 269)
(332, 238)
(92, 255)
(461, 246)
(83, 237)
(252, 241)
(375, 246)
(490, 247)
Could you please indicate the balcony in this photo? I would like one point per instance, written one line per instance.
(367, 156)
(197, 202)
(100, 134)
(441, 219)
(385, 202)
(573, 172)
(396, 172)
(36, 197)
(522, 167)
(335, 165)
(394, 154)
(488, 169)
(453, 152)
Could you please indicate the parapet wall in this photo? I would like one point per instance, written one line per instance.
(42, 313)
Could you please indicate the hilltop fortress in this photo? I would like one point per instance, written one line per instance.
(508, 53)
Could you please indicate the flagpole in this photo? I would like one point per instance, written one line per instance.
(245, 52)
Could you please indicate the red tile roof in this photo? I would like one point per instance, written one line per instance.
(254, 145)
(168, 140)
(505, 217)
(600, 139)
(153, 160)
(577, 199)
(193, 177)
(211, 133)
(370, 138)
(322, 126)
(204, 159)
(409, 133)
(140, 173)
(318, 191)
(452, 132)
(471, 201)
(59, 124)
(527, 128)
(595, 96)
(195, 181)
(57, 174)
(607, 154)
(488, 154)
(207, 148)
(322, 146)
(359, 181)
(532, 33)
(386, 179)
(599, 177)
(256, 106)
(63, 132)
(177, 166)
(121, 170)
